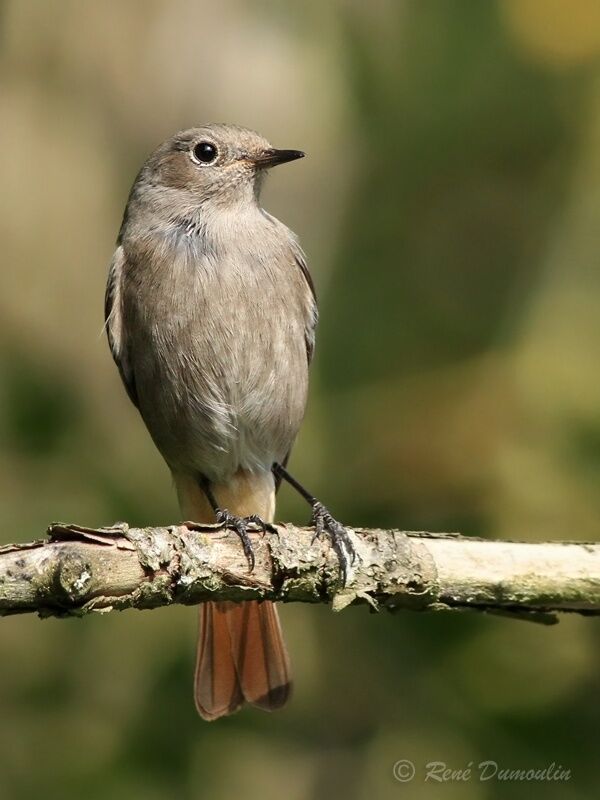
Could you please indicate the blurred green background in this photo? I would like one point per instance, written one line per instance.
(450, 209)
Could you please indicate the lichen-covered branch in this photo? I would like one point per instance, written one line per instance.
(77, 570)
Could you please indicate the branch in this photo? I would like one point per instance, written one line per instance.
(78, 570)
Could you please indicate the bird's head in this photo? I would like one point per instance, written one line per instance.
(217, 164)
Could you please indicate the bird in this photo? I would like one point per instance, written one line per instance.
(211, 312)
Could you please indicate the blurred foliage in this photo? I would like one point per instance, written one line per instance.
(450, 209)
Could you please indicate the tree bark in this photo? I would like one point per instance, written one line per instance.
(78, 570)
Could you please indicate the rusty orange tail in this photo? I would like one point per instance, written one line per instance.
(241, 655)
(241, 658)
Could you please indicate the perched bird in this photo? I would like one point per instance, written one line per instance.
(211, 315)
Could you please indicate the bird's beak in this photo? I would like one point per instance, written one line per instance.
(271, 157)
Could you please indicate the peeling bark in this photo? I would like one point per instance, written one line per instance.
(78, 570)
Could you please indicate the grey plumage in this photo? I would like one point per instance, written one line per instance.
(211, 314)
(210, 308)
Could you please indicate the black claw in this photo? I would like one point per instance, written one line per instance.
(324, 522)
(266, 527)
(240, 526)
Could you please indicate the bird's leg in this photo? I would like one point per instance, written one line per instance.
(323, 522)
(239, 524)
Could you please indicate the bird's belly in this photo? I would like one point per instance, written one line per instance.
(217, 399)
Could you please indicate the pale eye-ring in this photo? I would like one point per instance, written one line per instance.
(205, 153)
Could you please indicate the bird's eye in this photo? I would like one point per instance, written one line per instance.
(205, 152)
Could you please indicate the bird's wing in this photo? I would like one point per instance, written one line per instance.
(299, 259)
(312, 318)
(312, 310)
(115, 328)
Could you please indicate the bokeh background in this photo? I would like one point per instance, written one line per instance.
(450, 209)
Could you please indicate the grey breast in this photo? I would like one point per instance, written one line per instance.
(217, 330)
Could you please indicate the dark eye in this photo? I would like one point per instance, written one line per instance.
(205, 152)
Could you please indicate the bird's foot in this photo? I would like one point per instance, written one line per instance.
(265, 527)
(240, 526)
(324, 523)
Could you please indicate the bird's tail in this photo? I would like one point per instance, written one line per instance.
(241, 655)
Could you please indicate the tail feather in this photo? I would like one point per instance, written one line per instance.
(217, 690)
(241, 658)
(241, 653)
(262, 660)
